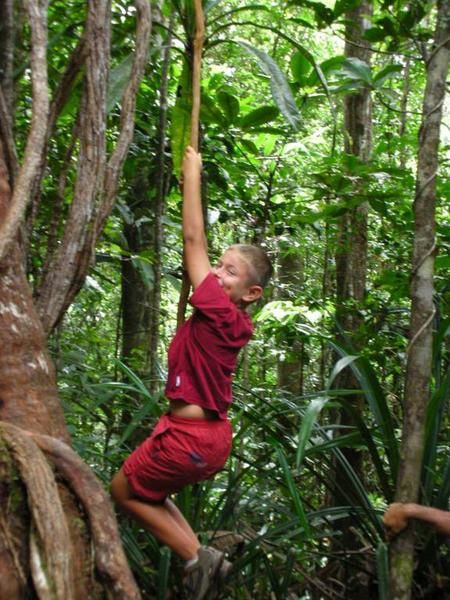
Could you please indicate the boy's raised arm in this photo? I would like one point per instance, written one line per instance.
(194, 238)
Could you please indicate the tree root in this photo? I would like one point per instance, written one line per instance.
(50, 545)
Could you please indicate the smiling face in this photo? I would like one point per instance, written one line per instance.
(233, 274)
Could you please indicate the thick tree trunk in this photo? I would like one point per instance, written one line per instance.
(418, 371)
(7, 34)
(58, 546)
(28, 395)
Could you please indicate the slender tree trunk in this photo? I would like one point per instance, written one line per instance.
(136, 287)
(160, 200)
(351, 261)
(351, 252)
(418, 371)
(291, 279)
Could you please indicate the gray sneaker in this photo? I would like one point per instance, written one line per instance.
(200, 577)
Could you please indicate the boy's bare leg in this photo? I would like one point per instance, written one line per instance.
(178, 516)
(164, 521)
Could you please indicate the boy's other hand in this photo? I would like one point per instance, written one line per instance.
(395, 519)
(192, 165)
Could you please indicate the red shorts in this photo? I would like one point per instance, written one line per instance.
(178, 452)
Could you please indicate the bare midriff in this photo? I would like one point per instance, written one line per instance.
(179, 408)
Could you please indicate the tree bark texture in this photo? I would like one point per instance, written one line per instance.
(28, 395)
(351, 250)
(21, 193)
(291, 280)
(7, 34)
(55, 567)
(162, 180)
(57, 291)
(96, 184)
(351, 268)
(419, 361)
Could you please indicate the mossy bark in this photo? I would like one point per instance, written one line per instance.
(419, 363)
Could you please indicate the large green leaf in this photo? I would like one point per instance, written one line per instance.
(163, 574)
(210, 113)
(357, 69)
(300, 67)
(435, 413)
(279, 85)
(259, 116)
(229, 105)
(228, 13)
(386, 73)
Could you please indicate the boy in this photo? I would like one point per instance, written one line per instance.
(193, 440)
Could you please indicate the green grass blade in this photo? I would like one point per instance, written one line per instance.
(383, 571)
(163, 574)
(308, 422)
(292, 487)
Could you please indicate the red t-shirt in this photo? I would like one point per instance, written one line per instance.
(202, 355)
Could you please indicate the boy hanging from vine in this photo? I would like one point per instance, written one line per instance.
(192, 441)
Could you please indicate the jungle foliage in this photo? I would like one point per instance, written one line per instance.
(272, 137)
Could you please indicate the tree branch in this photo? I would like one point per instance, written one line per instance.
(37, 13)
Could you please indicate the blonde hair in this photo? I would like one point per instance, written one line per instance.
(260, 267)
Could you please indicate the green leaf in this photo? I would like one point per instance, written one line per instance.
(163, 574)
(308, 422)
(375, 34)
(259, 116)
(180, 132)
(279, 85)
(375, 399)
(386, 73)
(209, 112)
(228, 13)
(357, 69)
(209, 4)
(341, 364)
(327, 66)
(229, 105)
(442, 262)
(117, 82)
(249, 146)
(388, 25)
(343, 6)
(300, 67)
(293, 490)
